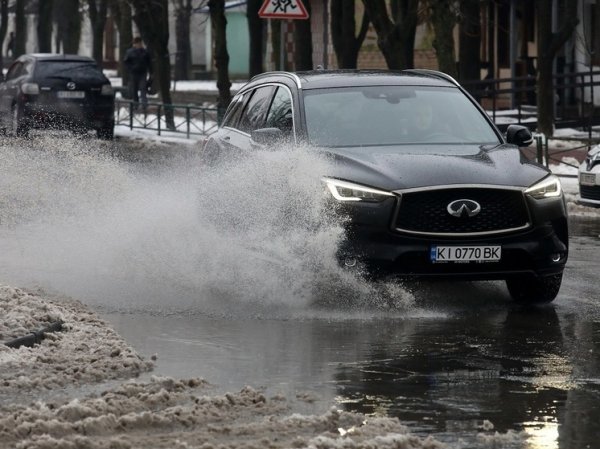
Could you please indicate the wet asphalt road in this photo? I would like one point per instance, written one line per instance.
(464, 354)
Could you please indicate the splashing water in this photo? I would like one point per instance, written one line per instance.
(252, 232)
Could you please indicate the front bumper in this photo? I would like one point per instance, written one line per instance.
(589, 183)
(541, 249)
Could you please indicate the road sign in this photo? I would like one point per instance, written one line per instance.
(283, 9)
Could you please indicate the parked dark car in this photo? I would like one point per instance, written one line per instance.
(56, 91)
(432, 188)
(589, 178)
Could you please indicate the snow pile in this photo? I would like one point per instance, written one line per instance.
(167, 413)
(86, 351)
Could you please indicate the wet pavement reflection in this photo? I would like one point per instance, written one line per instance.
(463, 360)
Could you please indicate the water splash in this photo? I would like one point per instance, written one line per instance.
(250, 235)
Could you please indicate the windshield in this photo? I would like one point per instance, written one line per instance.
(390, 115)
(79, 70)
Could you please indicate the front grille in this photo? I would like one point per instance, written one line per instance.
(426, 211)
(590, 192)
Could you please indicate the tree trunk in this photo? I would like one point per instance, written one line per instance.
(183, 57)
(255, 29)
(152, 19)
(395, 39)
(44, 26)
(343, 28)
(122, 13)
(98, 9)
(443, 19)
(219, 26)
(3, 28)
(469, 44)
(20, 28)
(549, 44)
(303, 42)
(68, 26)
(276, 43)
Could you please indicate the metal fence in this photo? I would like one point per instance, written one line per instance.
(188, 120)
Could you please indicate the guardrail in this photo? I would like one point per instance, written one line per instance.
(189, 120)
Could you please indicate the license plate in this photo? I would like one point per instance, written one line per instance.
(587, 179)
(465, 254)
(71, 94)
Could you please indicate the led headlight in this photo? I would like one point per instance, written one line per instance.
(548, 187)
(348, 191)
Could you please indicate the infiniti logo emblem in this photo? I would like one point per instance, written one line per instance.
(71, 85)
(463, 208)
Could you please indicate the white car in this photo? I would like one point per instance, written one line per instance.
(589, 178)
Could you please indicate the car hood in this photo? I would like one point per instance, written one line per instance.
(404, 167)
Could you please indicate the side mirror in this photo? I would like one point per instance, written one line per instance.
(519, 135)
(266, 136)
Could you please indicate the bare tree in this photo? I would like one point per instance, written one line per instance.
(549, 43)
(20, 28)
(219, 26)
(469, 44)
(121, 11)
(183, 55)
(444, 16)
(68, 26)
(343, 30)
(152, 19)
(3, 27)
(303, 42)
(44, 26)
(395, 34)
(97, 11)
(255, 30)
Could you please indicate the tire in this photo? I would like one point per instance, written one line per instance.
(534, 289)
(19, 125)
(106, 132)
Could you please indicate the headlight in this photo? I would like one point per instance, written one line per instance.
(30, 88)
(348, 191)
(106, 89)
(547, 188)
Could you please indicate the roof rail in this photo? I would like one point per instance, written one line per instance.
(291, 75)
(435, 73)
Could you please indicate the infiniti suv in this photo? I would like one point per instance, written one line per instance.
(56, 91)
(430, 186)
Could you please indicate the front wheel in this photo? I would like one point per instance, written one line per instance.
(534, 289)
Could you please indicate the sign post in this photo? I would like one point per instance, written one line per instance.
(283, 9)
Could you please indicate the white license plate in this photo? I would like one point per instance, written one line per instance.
(587, 179)
(71, 94)
(480, 253)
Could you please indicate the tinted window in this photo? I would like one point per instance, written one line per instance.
(280, 114)
(234, 111)
(380, 115)
(15, 71)
(255, 113)
(79, 70)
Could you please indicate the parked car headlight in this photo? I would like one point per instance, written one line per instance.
(348, 191)
(30, 88)
(548, 187)
(107, 90)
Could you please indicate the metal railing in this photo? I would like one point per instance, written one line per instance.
(189, 120)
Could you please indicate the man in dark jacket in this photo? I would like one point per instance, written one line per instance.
(139, 64)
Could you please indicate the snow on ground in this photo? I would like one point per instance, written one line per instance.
(161, 413)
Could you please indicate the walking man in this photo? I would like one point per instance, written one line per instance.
(139, 65)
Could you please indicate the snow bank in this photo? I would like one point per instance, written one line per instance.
(86, 351)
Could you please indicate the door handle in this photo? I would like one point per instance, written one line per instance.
(227, 138)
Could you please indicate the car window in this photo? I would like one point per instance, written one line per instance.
(254, 114)
(280, 113)
(235, 110)
(78, 70)
(15, 70)
(388, 115)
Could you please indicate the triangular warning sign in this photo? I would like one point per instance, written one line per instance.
(283, 9)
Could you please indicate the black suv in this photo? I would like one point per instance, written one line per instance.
(56, 91)
(430, 185)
